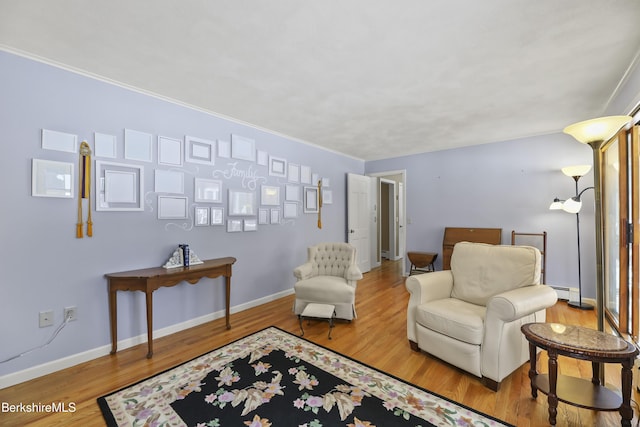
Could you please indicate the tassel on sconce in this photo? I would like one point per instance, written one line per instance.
(85, 189)
(319, 203)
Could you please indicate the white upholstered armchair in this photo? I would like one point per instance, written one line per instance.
(329, 276)
(470, 316)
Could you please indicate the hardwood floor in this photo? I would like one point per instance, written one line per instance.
(377, 337)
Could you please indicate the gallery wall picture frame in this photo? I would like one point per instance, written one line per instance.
(277, 167)
(59, 141)
(169, 181)
(170, 207)
(269, 195)
(263, 216)
(243, 148)
(315, 178)
(201, 216)
(305, 174)
(310, 204)
(293, 174)
(275, 216)
(170, 151)
(262, 158)
(242, 203)
(250, 224)
(292, 193)
(199, 150)
(234, 225)
(224, 149)
(138, 145)
(327, 197)
(207, 190)
(217, 216)
(105, 145)
(119, 186)
(52, 179)
(290, 210)
(326, 182)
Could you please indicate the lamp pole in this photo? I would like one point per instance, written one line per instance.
(579, 303)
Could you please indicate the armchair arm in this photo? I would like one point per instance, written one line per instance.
(353, 273)
(517, 303)
(424, 288)
(303, 271)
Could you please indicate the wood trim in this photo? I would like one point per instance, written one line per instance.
(623, 244)
(635, 244)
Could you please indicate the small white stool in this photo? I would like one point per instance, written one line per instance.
(318, 311)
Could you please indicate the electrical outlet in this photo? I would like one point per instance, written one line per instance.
(46, 318)
(70, 313)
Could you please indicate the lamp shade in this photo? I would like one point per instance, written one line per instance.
(600, 129)
(556, 205)
(572, 205)
(578, 170)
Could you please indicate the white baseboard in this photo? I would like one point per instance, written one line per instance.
(75, 359)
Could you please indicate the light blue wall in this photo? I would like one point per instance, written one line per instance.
(507, 185)
(44, 266)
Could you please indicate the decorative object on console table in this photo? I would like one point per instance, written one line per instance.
(453, 235)
(178, 258)
(573, 205)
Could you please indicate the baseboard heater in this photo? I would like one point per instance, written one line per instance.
(563, 292)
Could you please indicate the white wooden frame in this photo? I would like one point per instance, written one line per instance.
(105, 145)
(201, 216)
(169, 181)
(263, 216)
(52, 179)
(243, 148)
(310, 200)
(170, 151)
(277, 166)
(207, 190)
(293, 174)
(199, 150)
(241, 203)
(250, 224)
(138, 145)
(119, 186)
(171, 207)
(59, 141)
(292, 193)
(269, 195)
(290, 210)
(234, 225)
(217, 216)
(275, 216)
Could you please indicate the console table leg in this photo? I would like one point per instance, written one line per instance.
(552, 397)
(149, 298)
(113, 320)
(627, 378)
(228, 300)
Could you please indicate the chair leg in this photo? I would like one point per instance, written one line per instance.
(490, 384)
(414, 345)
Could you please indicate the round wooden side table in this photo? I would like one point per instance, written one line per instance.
(586, 344)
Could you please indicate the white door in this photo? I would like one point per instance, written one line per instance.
(358, 234)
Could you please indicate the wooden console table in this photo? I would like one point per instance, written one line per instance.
(586, 344)
(149, 279)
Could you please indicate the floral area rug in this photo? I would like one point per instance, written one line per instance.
(274, 378)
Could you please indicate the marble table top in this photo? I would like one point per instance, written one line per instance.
(578, 337)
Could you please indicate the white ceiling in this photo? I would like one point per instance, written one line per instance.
(369, 78)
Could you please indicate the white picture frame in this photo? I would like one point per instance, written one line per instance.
(326, 182)
(171, 207)
(275, 216)
(119, 186)
(201, 216)
(224, 149)
(290, 210)
(241, 203)
(277, 167)
(262, 158)
(269, 195)
(207, 190)
(217, 216)
(263, 216)
(105, 145)
(305, 174)
(243, 148)
(310, 204)
(250, 224)
(292, 193)
(52, 179)
(314, 179)
(327, 197)
(170, 151)
(138, 145)
(234, 225)
(199, 150)
(293, 174)
(59, 141)
(169, 181)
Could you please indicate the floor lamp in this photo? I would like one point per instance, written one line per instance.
(595, 133)
(573, 205)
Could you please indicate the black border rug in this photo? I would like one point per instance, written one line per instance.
(274, 378)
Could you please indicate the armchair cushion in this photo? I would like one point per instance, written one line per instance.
(482, 271)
